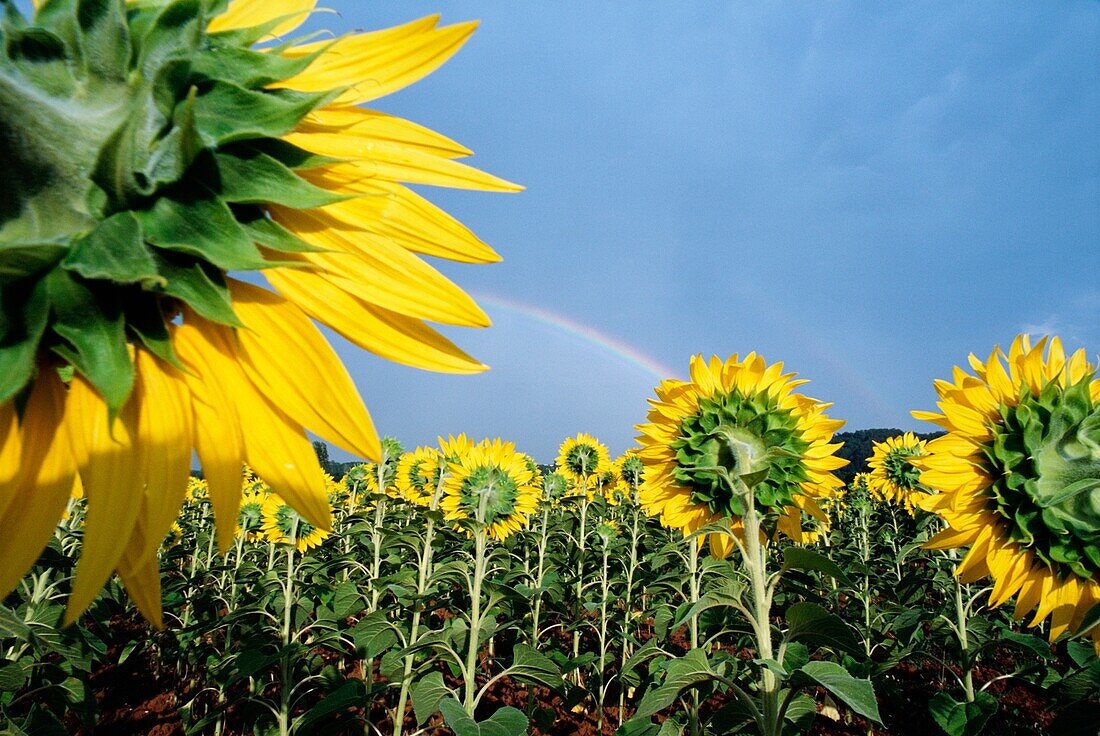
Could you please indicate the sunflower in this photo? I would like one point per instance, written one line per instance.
(1019, 479)
(554, 488)
(152, 148)
(627, 471)
(283, 525)
(736, 423)
(174, 536)
(387, 466)
(582, 459)
(894, 477)
(250, 517)
(491, 485)
(416, 473)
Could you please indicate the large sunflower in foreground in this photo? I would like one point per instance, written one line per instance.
(736, 421)
(582, 459)
(492, 484)
(893, 475)
(1019, 478)
(151, 149)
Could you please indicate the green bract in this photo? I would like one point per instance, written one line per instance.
(138, 150)
(490, 488)
(748, 437)
(1046, 456)
(900, 471)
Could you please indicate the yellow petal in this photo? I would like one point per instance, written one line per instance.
(112, 468)
(251, 13)
(387, 334)
(287, 358)
(165, 437)
(141, 578)
(395, 162)
(217, 430)
(275, 446)
(39, 491)
(394, 211)
(378, 127)
(11, 452)
(379, 63)
(398, 280)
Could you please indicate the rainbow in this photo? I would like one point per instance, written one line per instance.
(613, 346)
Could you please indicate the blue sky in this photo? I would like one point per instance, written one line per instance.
(866, 192)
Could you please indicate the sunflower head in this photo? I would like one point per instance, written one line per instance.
(174, 537)
(1019, 478)
(582, 459)
(736, 426)
(894, 477)
(283, 525)
(607, 530)
(554, 487)
(197, 490)
(492, 487)
(150, 150)
(416, 475)
(250, 519)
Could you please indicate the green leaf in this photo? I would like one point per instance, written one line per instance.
(204, 228)
(25, 310)
(801, 558)
(348, 695)
(809, 622)
(12, 677)
(95, 329)
(251, 177)
(227, 112)
(201, 287)
(114, 251)
(688, 671)
(1028, 643)
(175, 31)
(1090, 621)
(374, 635)
(426, 695)
(505, 722)
(856, 694)
(801, 711)
(347, 601)
(1082, 653)
(962, 719)
(531, 666)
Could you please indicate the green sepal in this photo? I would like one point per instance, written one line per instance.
(248, 68)
(146, 322)
(20, 260)
(104, 38)
(227, 112)
(271, 234)
(175, 32)
(251, 177)
(200, 287)
(94, 328)
(202, 227)
(25, 309)
(114, 251)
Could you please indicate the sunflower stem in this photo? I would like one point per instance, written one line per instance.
(540, 570)
(285, 633)
(754, 556)
(424, 567)
(961, 616)
(579, 586)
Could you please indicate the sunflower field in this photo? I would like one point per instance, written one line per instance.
(191, 190)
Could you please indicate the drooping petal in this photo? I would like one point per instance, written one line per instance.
(112, 469)
(37, 492)
(217, 426)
